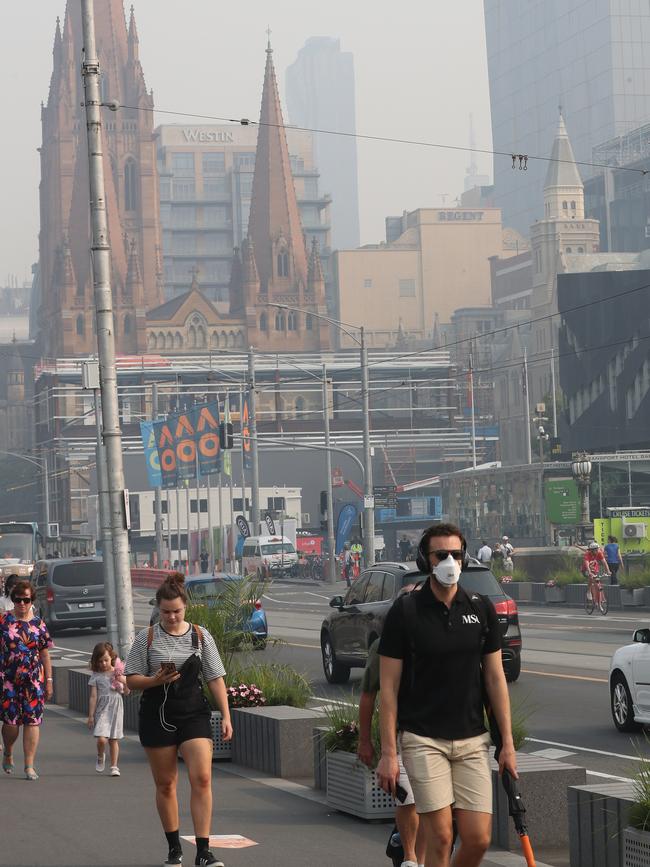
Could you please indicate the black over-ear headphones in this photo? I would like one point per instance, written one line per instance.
(422, 557)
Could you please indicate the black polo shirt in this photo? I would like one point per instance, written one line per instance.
(441, 697)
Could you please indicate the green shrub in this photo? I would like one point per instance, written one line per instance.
(640, 810)
(562, 577)
(343, 726)
(634, 580)
(280, 684)
(516, 574)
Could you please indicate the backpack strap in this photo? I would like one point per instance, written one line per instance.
(410, 624)
(478, 603)
(149, 638)
(197, 637)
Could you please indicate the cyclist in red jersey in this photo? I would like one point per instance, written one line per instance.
(593, 560)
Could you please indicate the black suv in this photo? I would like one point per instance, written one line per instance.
(358, 618)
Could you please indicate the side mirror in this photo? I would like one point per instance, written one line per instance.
(336, 602)
(641, 636)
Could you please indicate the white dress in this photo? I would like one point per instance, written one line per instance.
(109, 711)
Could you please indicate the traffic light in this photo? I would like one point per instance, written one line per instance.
(323, 502)
(225, 435)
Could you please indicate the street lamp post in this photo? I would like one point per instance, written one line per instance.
(581, 469)
(331, 544)
(368, 492)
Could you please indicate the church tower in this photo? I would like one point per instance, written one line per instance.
(66, 317)
(275, 265)
(563, 232)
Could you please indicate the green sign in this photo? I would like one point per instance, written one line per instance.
(562, 500)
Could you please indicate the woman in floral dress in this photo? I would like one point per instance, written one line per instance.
(26, 677)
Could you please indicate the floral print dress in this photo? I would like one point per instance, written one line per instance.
(21, 669)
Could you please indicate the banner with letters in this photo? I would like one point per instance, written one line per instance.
(206, 432)
(188, 441)
(151, 454)
(246, 434)
(164, 439)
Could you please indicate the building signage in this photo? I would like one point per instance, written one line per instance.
(207, 136)
(385, 496)
(463, 216)
(619, 456)
(629, 512)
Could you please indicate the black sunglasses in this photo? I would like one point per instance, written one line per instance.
(442, 555)
(22, 600)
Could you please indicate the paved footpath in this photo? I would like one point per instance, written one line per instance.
(74, 817)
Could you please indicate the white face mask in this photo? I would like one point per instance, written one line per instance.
(447, 572)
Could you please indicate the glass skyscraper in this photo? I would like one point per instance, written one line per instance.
(591, 57)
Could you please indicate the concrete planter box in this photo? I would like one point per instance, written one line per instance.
(276, 740)
(221, 749)
(538, 592)
(575, 594)
(630, 596)
(543, 784)
(320, 758)
(555, 594)
(636, 848)
(352, 788)
(79, 695)
(598, 815)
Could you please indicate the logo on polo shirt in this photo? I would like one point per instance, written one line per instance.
(471, 618)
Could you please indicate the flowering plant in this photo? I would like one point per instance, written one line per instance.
(245, 695)
(551, 582)
(506, 579)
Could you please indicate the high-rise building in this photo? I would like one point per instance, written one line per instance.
(589, 57)
(206, 183)
(321, 95)
(66, 312)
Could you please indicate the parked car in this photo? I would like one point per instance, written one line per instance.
(358, 617)
(70, 593)
(269, 557)
(629, 683)
(206, 589)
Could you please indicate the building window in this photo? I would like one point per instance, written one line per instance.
(283, 264)
(367, 283)
(183, 165)
(279, 321)
(407, 288)
(309, 322)
(264, 322)
(184, 190)
(292, 322)
(275, 504)
(573, 206)
(581, 249)
(237, 504)
(127, 324)
(130, 185)
(214, 163)
(81, 326)
(300, 405)
(565, 206)
(568, 249)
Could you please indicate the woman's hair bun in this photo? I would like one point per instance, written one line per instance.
(176, 578)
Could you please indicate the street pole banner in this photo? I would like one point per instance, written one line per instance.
(246, 435)
(205, 419)
(244, 528)
(164, 439)
(182, 427)
(151, 454)
(346, 519)
(270, 523)
(227, 459)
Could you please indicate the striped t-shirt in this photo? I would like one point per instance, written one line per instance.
(173, 648)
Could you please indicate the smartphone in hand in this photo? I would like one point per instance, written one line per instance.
(168, 667)
(400, 793)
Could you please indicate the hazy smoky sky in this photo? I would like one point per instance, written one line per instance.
(420, 70)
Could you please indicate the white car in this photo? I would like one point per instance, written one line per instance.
(629, 683)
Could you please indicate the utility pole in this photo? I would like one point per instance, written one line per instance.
(554, 400)
(368, 498)
(90, 381)
(255, 484)
(101, 267)
(471, 397)
(529, 455)
(331, 544)
(157, 493)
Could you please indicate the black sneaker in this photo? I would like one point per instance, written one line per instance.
(174, 857)
(208, 858)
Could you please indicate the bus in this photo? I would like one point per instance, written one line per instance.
(21, 544)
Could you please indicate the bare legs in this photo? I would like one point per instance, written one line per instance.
(164, 769)
(31, 736)
(197, 755)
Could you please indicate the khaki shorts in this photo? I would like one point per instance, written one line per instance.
(444, 772)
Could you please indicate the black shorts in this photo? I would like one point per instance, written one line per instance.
(186, 728)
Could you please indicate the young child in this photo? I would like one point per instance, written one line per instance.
(105, 707)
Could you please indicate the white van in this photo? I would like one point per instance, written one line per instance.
(269, 557)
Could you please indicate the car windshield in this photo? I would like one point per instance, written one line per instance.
(16, 546)
(279, 548)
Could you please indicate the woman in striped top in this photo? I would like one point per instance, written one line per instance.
(169, 662)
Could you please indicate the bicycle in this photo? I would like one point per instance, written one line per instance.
(595, 596)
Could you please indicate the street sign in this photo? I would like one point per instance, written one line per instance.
(385, 496)
(337, 478)
(242, 523)
(368, 502)
(270, 523)
(127, 510)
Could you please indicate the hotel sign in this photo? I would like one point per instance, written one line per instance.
(207, 136)
(457, 215)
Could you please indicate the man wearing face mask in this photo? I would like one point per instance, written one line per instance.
(437, 649)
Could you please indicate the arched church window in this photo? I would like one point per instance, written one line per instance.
(127, 324)
(279, 321)
(200, 337)
(192, 337)
(569, 250)
(264, 322)
(309, 322)
(239, 342)
(283, 264)
(214, 340)
(178, 341)
(81, 326)
(292, 324)
(231, 340)
(565, 206)
(573, 206)
(130, 185)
